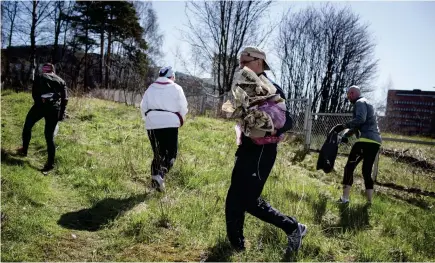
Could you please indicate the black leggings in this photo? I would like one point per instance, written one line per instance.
(51, 115)
(165, 146)
(366, 151)
(251, 170)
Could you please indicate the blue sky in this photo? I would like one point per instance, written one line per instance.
(403, 31)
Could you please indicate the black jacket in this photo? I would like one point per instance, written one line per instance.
(49, 83)
(328, 152)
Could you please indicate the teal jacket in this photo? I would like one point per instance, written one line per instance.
(364, 120)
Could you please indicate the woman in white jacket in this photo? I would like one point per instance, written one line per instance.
(163, 108)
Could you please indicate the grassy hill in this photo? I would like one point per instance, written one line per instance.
(98, 205)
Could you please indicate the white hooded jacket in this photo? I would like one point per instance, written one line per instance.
(167, 97)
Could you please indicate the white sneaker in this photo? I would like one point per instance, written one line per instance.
(341, 200)
(158, 183)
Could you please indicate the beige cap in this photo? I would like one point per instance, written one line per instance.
(256, 52)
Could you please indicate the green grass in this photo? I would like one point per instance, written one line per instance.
(97, 205)
(419, 151)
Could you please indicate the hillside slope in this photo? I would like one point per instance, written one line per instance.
(97, 205)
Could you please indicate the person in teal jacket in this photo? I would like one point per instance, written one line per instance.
(365, 125)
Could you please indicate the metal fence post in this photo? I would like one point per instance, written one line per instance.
(308, 124)
(202, 108)
(376, 167)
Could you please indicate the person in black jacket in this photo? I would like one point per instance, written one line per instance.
(50, 98)
(251, 170)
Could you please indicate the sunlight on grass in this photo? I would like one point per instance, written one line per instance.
(98, 205)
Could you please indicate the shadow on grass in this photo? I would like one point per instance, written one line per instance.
(221, 252)
(96, 217)
(410, 190)
(319, 208)
(352, 218)
(11, 158)
(289, 257)
(318, 205)
(295, 197)
(300, 155)
(414, 201)
(309, 250)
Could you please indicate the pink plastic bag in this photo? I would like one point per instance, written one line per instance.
(275, 112)
(278, 118)
(268, 139)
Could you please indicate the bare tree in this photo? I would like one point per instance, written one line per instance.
(218, 32)
(322, 52)
(200, 92)
(380, 103)
(77, 25)
(33, 15)
(9, 14)
(62, 10)
(190, 64)
(151, 32)
(9, 17)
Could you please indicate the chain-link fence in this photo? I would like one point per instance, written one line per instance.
(122, 96)
(201, 104)
(209, 105)
(405, 163)
(322, 123)
(298, 110)
(204, 105)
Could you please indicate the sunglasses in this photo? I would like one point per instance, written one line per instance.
(247, 62)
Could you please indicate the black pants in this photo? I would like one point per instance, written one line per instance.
(361, 151)
(165, 146)
(252, 168)
(50, 113)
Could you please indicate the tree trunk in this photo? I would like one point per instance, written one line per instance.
(220, 112)
(11, 31)
(31, 73)
(109, 47)
(101, 55)
(64, 41)
(85, 81)
(8, 49)
(58, 22)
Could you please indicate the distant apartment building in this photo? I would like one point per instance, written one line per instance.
(411, 112)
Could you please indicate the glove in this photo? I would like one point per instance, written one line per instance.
(338, 128)
(62, 110)
(358, 134)
(61, 116)
(344, 140)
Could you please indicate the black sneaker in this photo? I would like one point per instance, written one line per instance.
(21, 152)
(295, 238)
(47, 168)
